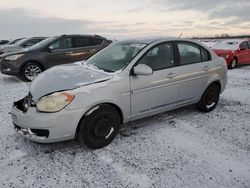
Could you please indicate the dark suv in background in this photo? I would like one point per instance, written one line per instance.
(29, 63)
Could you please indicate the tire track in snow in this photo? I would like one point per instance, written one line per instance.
(128, 174)
(217, 155)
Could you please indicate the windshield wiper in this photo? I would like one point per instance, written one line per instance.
(106, 70)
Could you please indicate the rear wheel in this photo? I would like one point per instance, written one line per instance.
(233, 63)
(98, 129)
(209, 99)
(30, 71)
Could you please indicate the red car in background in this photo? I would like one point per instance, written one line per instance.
(235, 51)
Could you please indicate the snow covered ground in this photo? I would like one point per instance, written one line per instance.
(181, 148)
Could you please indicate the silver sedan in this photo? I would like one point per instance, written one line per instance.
(125, 81)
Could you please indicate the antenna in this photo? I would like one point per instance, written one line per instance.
(180, 36)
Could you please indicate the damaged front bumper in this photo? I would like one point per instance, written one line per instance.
(44, 127)
(32, 133)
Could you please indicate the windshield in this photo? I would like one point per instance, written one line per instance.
(227, 45)
(116, 56)
(20, 42)
(42, 43)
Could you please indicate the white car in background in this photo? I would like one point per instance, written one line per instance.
(4, 42)
(209, 43)
(20, 45)
(125, 81)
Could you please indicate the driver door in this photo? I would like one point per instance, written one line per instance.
(60, 52)
(244, 53)
(159, 91)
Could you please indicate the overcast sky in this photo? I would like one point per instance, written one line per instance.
(124, 18)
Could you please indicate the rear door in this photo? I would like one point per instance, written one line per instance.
(85, 47)
(195, 68)
(60, 52)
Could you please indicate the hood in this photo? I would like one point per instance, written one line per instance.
(13, 52)
(65, 77)
(222, 52)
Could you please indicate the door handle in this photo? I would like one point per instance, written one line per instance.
(69, 53)
(171, 75)
(206, 68)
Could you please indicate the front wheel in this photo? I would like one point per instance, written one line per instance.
(98, 129)
(30, 71)
(209, 99)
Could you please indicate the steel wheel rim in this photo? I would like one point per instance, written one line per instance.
(32, 71)
(210, 99)
(103, 128)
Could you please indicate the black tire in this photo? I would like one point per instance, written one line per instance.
(34, 68)
(233, 63)
(98, 129)
(209, 99)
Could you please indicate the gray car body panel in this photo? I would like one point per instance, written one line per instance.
(136, 96)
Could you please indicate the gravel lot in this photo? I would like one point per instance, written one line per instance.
(181, 148)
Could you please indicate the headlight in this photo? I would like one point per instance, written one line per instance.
(13, 57)
(224, 56)
(54, 102)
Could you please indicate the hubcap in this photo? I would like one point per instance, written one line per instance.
(32, 71)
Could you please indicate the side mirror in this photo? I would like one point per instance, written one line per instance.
(142, 69)
(50, 48)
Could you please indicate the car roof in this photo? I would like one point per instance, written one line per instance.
(235, 40)
(80, 35)
(149, 40)
(38, 37)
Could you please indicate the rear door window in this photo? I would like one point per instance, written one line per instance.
(192, 53)
(82, 42)
(87, 42)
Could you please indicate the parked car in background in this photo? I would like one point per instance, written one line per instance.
(15, 41)
(29, 63)
(3, 42)
(209, 43)
(11, 42)
(234, 51)
(19, 45)
(125, 81)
